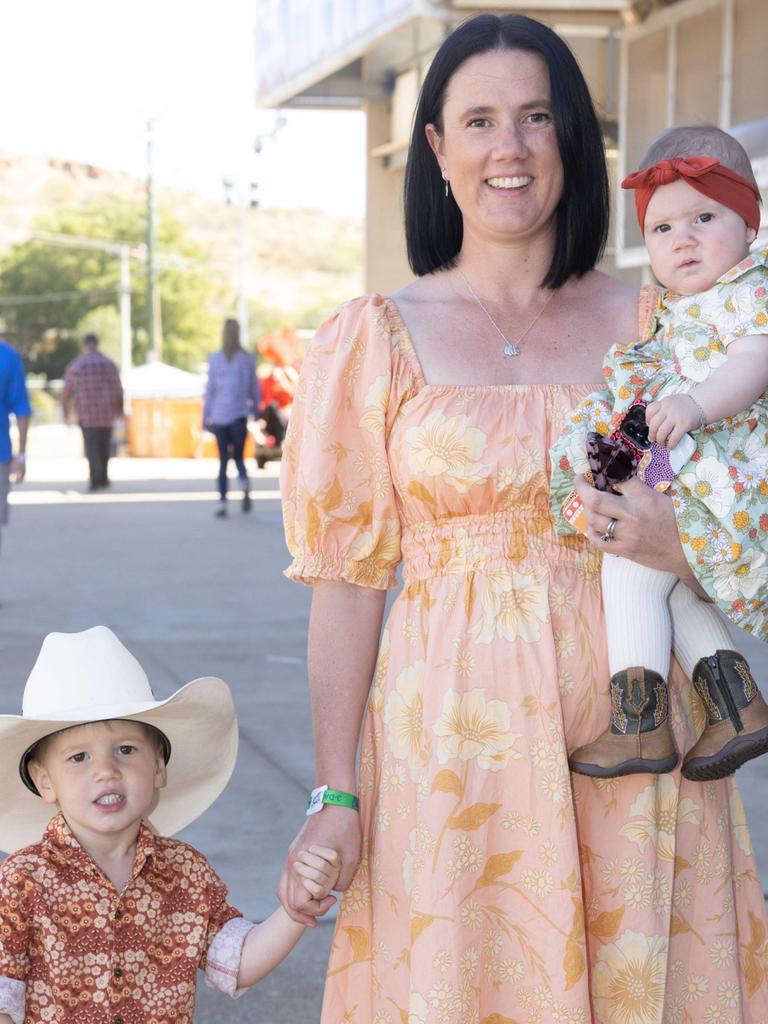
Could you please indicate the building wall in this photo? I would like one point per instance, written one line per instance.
(689, 61)
(696, 62)
(386, 265)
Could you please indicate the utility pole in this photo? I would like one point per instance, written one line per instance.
(125, 309)
(245, 193)
(153, 353)
(242, 292)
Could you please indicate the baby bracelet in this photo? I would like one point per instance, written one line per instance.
(702, 414)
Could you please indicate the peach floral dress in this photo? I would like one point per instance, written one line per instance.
(494, 887)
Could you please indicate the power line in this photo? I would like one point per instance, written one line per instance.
(24, 300)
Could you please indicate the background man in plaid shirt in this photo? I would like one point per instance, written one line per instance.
(92, 387)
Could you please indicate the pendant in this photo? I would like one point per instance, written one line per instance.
(511, 349)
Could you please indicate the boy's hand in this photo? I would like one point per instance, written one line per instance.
(339, 826)
(319, 868)
(670, 418)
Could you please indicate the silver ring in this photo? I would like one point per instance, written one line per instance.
(610, 530)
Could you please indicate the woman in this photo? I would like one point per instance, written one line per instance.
(231, 394)
(488, 890)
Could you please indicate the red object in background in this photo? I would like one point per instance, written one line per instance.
(277, 383)
(282, 349)
(278, 371)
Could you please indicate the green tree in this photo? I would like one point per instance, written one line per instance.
(79, 282)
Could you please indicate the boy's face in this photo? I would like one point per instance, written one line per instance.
(691, 239)
(104, 776)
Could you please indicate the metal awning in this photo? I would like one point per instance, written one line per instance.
(309, 53)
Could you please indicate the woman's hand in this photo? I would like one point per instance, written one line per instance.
(645, 530)
(335, 827)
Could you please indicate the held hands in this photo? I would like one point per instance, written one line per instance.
(319, 868)
(338, 829)
(316, 870)
(670, 418)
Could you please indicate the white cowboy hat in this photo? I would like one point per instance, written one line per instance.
(91, 677)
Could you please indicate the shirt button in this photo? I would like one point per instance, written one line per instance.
(117, 1020)
(118, 972)
(118, 914)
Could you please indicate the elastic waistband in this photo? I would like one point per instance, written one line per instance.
(482, 543)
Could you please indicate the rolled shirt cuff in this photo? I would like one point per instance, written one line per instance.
(13, 998)
(224, 955)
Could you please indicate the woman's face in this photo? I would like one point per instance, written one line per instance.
(499, 146)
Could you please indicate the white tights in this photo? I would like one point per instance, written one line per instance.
(649, 613)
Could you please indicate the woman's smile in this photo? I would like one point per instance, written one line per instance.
(498, 145)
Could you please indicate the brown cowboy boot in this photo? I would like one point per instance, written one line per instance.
(737, 718)
(639, 738)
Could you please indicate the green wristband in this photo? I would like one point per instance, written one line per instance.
(321, 796)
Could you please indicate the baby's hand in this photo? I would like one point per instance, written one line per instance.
(670, 418)
(319, 868)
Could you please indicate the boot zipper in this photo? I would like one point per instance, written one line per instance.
(725, 693)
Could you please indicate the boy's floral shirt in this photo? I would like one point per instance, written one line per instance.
(73, 949)
(721, 494)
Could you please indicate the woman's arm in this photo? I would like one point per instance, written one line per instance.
(646, 529)
(344, 629)
(730, 389)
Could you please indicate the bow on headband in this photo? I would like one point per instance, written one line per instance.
(707, 176)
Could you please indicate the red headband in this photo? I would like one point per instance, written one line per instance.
(707, 176)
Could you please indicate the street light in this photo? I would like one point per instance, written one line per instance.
(246, 198)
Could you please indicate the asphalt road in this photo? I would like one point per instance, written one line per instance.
(191, 595)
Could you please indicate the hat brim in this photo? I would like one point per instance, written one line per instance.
(200, 724)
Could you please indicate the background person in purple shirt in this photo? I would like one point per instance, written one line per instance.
(13, 400)
(231, 394)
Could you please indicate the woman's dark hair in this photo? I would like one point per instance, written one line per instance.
(433, 224)
(230, 337)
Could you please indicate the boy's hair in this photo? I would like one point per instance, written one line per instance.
(699, 140)
(36, 753)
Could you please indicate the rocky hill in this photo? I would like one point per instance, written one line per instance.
(298, 260)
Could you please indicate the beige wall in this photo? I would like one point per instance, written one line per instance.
(386, 266)
(677, 69)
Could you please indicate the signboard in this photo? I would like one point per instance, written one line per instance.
(293, 37)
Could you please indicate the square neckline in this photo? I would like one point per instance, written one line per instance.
(393, 312)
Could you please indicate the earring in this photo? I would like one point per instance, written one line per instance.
(445, 179)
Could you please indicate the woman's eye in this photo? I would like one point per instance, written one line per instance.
(540, 117)
(478, 122)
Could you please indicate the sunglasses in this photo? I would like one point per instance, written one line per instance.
(614, 459)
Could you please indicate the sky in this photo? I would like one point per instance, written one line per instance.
(81, 78)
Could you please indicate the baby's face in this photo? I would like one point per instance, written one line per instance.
(104, 776)
(692, 240)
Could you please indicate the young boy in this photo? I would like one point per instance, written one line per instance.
(703, 367)
(105, 919)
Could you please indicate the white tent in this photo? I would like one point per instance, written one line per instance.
(158, 380)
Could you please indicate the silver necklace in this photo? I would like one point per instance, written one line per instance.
(511, 348)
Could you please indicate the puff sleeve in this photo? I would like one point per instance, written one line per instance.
(738, 304)
(339, 507)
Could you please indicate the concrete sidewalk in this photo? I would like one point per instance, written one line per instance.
(191, 596)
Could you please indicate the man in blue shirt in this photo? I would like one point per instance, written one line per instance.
(13, 399)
